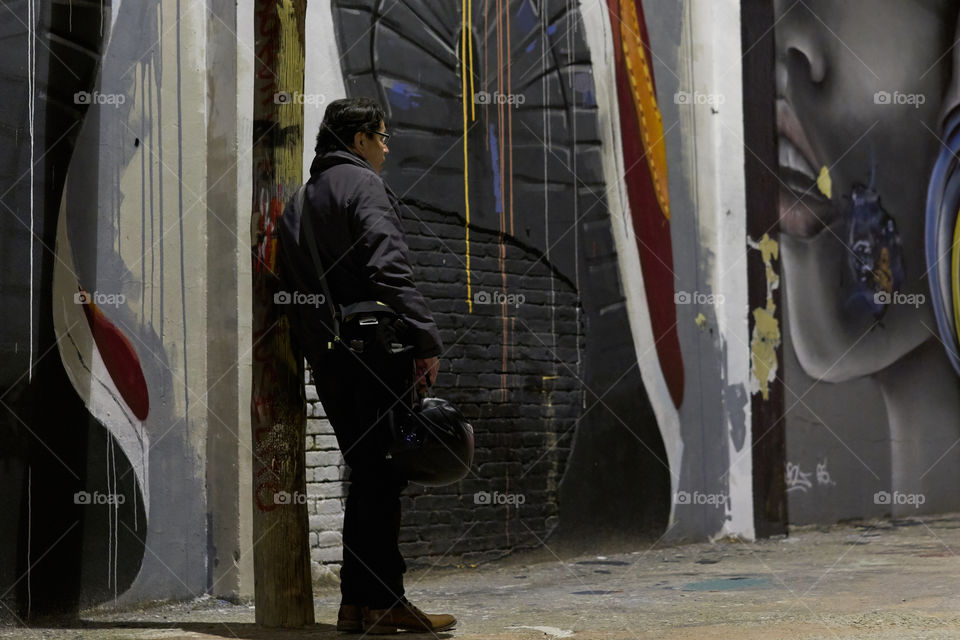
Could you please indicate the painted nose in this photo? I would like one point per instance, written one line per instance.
(800, 52)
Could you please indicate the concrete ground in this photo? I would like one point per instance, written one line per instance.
(879, 579)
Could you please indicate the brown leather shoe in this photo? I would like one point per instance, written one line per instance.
(403, 616)
(350, 618)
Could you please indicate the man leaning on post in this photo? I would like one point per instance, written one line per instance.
(361, 245)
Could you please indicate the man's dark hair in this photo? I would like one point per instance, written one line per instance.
(344, 118)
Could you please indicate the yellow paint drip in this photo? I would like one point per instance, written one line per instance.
(466, 30)
(824, 183)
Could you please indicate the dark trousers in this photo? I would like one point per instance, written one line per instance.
(359, 394)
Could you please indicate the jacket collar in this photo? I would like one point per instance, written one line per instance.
(322, 162)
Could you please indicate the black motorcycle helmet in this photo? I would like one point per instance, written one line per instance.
(433, 444)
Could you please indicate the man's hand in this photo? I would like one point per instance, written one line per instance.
(427, 370)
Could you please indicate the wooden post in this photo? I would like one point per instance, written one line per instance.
(763, 265)
(281, 552)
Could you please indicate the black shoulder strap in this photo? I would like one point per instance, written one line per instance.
(307, 223)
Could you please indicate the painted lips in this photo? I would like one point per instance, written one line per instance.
(804, 210)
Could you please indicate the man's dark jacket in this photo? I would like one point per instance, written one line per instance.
(360, 239)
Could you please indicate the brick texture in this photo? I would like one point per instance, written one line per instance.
(512, 366)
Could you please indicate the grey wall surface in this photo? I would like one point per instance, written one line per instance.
(703, 424)
(838, 445)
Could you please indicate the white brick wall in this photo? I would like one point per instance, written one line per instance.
(326, 489)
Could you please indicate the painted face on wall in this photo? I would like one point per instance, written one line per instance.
(860, 86)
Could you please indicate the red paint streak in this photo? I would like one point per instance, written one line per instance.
(267, 34)
(650, 226)
(121, 360)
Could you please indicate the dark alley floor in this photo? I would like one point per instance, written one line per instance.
(874, 579)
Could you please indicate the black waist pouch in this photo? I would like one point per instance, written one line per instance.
(374, 329)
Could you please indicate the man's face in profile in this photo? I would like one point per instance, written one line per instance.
(372, 146)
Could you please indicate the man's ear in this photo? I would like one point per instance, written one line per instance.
(357, 137)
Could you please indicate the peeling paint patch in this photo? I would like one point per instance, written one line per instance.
(766, 328)
(763, 350)
(824, 183)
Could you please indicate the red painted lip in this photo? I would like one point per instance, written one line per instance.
(120, 359)
(804, 211)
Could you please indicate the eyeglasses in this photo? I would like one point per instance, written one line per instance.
(385, 136)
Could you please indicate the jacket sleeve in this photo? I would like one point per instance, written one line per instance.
(383, 249)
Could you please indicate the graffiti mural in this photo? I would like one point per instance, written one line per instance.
(868, 226)
(495, 122)
(101, 310)
(530, 155)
